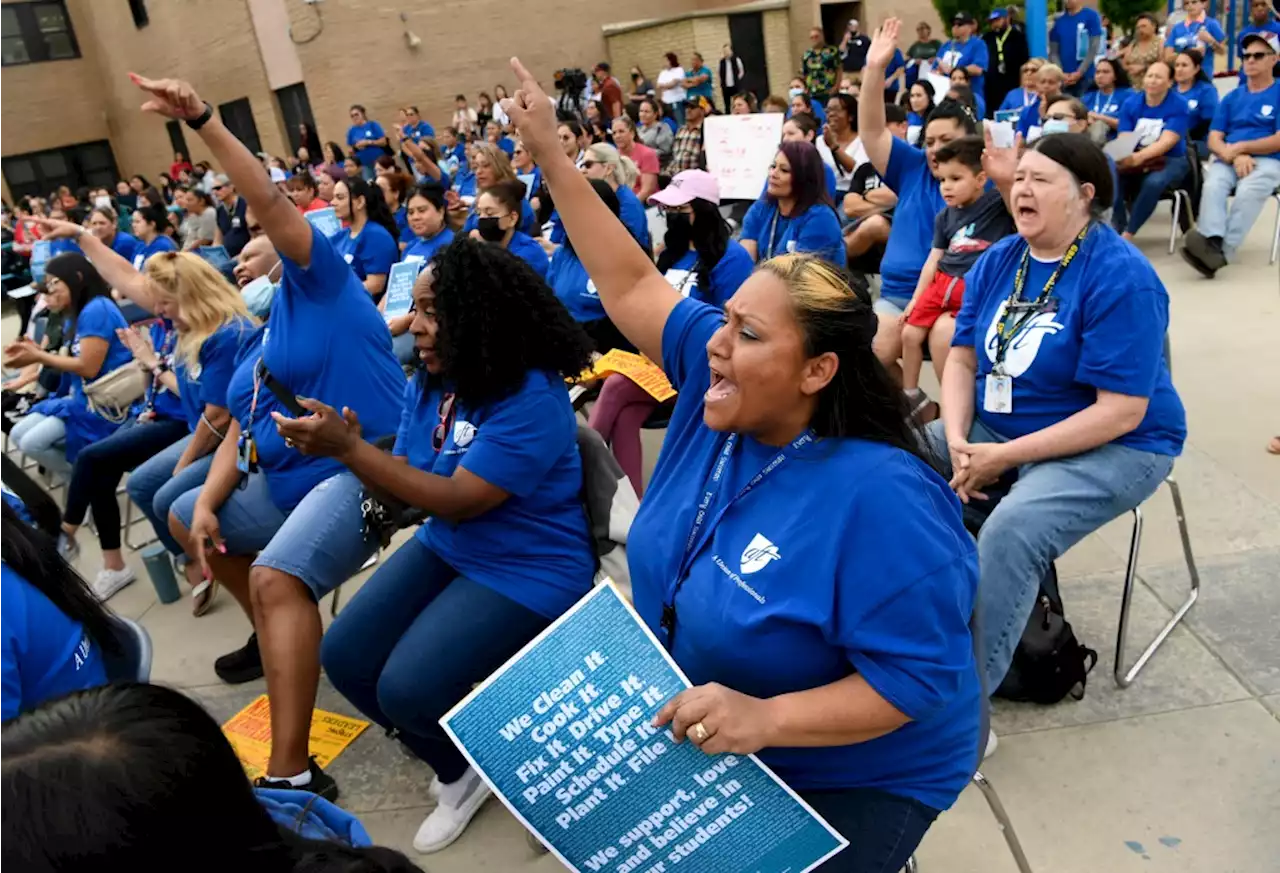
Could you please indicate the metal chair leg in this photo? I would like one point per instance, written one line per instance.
(129, 522)
(1002, 818)
(1177, 213)
(1125, 679)
(1275, 234)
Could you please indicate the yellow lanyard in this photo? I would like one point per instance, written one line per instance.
(1018, 313)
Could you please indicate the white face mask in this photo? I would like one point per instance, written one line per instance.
(1056, 125)
(102, 202)
(795, 92)
(258, 295)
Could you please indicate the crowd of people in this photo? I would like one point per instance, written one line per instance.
(278, 416)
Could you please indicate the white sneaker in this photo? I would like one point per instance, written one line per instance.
(458, 804)
(108, 582)
(992, 744)
(433, 790)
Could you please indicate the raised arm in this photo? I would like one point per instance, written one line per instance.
(876, 138)
(118, 272)
(421, 162)
(633, 292)
(288, 231)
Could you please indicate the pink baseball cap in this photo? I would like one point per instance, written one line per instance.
(687, 186)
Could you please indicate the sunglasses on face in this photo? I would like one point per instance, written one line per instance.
(1254, 56)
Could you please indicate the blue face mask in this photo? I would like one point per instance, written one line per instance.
(795, 92)
(1056, 125)
(258, 295)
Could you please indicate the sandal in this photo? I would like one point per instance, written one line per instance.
(202, 597)
(1273, 447)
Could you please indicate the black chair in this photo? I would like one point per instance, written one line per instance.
(1185, 196)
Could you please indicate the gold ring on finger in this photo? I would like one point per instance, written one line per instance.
(699, 731)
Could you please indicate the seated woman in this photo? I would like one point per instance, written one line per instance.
(652, 131)
(602, 161)
(367, 241)
(54, 629)
(858, 687)
(701, 260)
(802, 127)
(487, 445)
(104, 223)
(627, 141)
(960, 76)
(304, 192)
(1049, 81)
(327, 179)
(796, 213)
(425, 162)
(117, 773)
(426, 214)
(55, 431)
(277, 529)
(498, 208)
(527, 173)
(202, 320)
(491, 165)
(839, 144)
(1160, 161)
(1105, 101)
(395, 187)
(1025, 94)
(148, 224)
(1074, 393)
(920, 105)
(1069, 115)
(1195, 86)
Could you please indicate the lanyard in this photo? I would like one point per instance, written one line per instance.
(773, 228)
(253, 404)
(1000, 41)
(695, 542)
(166, 349)
(689, 274)
(1017, 312)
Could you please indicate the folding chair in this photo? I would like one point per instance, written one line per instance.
(1275, 234)
(1182, 197)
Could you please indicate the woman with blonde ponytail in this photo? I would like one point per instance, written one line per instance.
(189, 352)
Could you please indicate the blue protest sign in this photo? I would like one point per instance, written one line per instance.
(325, 221)
(400, 288)
(563, 734)
(217, 256)
(41, 252)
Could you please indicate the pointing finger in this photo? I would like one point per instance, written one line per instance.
(522, 74)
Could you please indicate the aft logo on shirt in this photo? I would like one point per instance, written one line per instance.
(758, 554)
(1026, 344)
(1266, 111)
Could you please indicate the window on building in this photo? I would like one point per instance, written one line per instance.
(89, 164)
(35, 32)
(138, 8)
(238, 117)
(295, 107)
(177, 139)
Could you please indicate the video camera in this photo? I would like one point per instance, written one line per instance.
(572, 83)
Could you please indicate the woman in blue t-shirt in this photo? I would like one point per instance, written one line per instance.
(960, 76)
(491, 166)
(395, 187)
(425, 212)
(796, 214)
(279, 529)
(54, 629)
(1195, 86)
(702, 261)
(1105, 101)
(368, 242)
(919, 104)
(857, 687)
(105, 225)
(487, 448)
(1160, 117)
(57, 429)
(149, 223)
(498, 222)
(1073, 394)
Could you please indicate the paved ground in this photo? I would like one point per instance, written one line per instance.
(1179, 773)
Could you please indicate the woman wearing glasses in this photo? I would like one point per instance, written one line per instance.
(487, 445)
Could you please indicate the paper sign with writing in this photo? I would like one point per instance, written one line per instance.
(249, 731)
(325, 221)
(563, 734)
(739, 150)
(400, 288)
(638, 369)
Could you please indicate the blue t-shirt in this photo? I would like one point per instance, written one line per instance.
(1030, 124)
(1099, 334)
(1108, 104)
(418, 132)
(161, 243)
(630, 212)
(1017, 100)
(206, 383)
(424, 248)
(1202, 103)
(534, 547)
(528, 220)
(919, 202)
(733, 268)
(965, 54)
(371, 252)
(702, 89)
(1151, 121)
(1072, 32)
(406, 234)
(126, 245)
(568, 278)
(1269, 27)
(816, 230)
(464, 182)
(326, 340)
(100, 318)
(530, 251)
(1244, 115)
(165, 404)
(369, 130)
(1183, 35)
(774, 604)
(45, 654)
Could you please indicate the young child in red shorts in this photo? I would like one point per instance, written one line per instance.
(974, 219)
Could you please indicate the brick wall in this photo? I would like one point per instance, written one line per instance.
(777, 51)
(646, 47)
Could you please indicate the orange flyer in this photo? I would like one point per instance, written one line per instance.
(249, 731)
(638, 369)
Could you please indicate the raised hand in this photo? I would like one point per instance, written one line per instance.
(172, 98)
(56, 228)
(533, 115)
(883, 44)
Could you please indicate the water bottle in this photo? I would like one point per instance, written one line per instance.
(160, 569)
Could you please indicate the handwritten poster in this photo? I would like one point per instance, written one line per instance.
(249, 731)
(740, 149)
(562, 733)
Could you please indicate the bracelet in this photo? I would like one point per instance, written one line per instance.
(202, 119)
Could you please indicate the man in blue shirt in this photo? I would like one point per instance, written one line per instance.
(367, 139)
(698, 84)
(1260, 20)
(233, 229)
(962, 50)
(1245, 141)
(1196, 31)
(1073, 44)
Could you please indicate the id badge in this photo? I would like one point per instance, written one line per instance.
(998, 396)
(244, 454)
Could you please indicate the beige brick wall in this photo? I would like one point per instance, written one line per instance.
(777, 50)
(645, 48)
(709, 37)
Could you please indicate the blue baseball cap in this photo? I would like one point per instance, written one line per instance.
(998, 13)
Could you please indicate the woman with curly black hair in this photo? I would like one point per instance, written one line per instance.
(488, 447)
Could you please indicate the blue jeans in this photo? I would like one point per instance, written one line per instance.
(883, 829)
(43, 438)
(1233, 224)
(1149, 187)
(321, 542)
(153, 487)
(414, 641)
(676, 111)
(1053, 505)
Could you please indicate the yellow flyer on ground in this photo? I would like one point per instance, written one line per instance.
(249, 731)
(638, 369)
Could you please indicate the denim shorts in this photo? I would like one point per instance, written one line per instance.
(321, 542)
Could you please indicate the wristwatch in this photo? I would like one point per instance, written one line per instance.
(202, 119)
(161, 367)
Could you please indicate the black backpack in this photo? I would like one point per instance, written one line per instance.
(1049, 662)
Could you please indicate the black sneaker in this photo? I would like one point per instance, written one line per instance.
(321, 782)
(242, 665)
